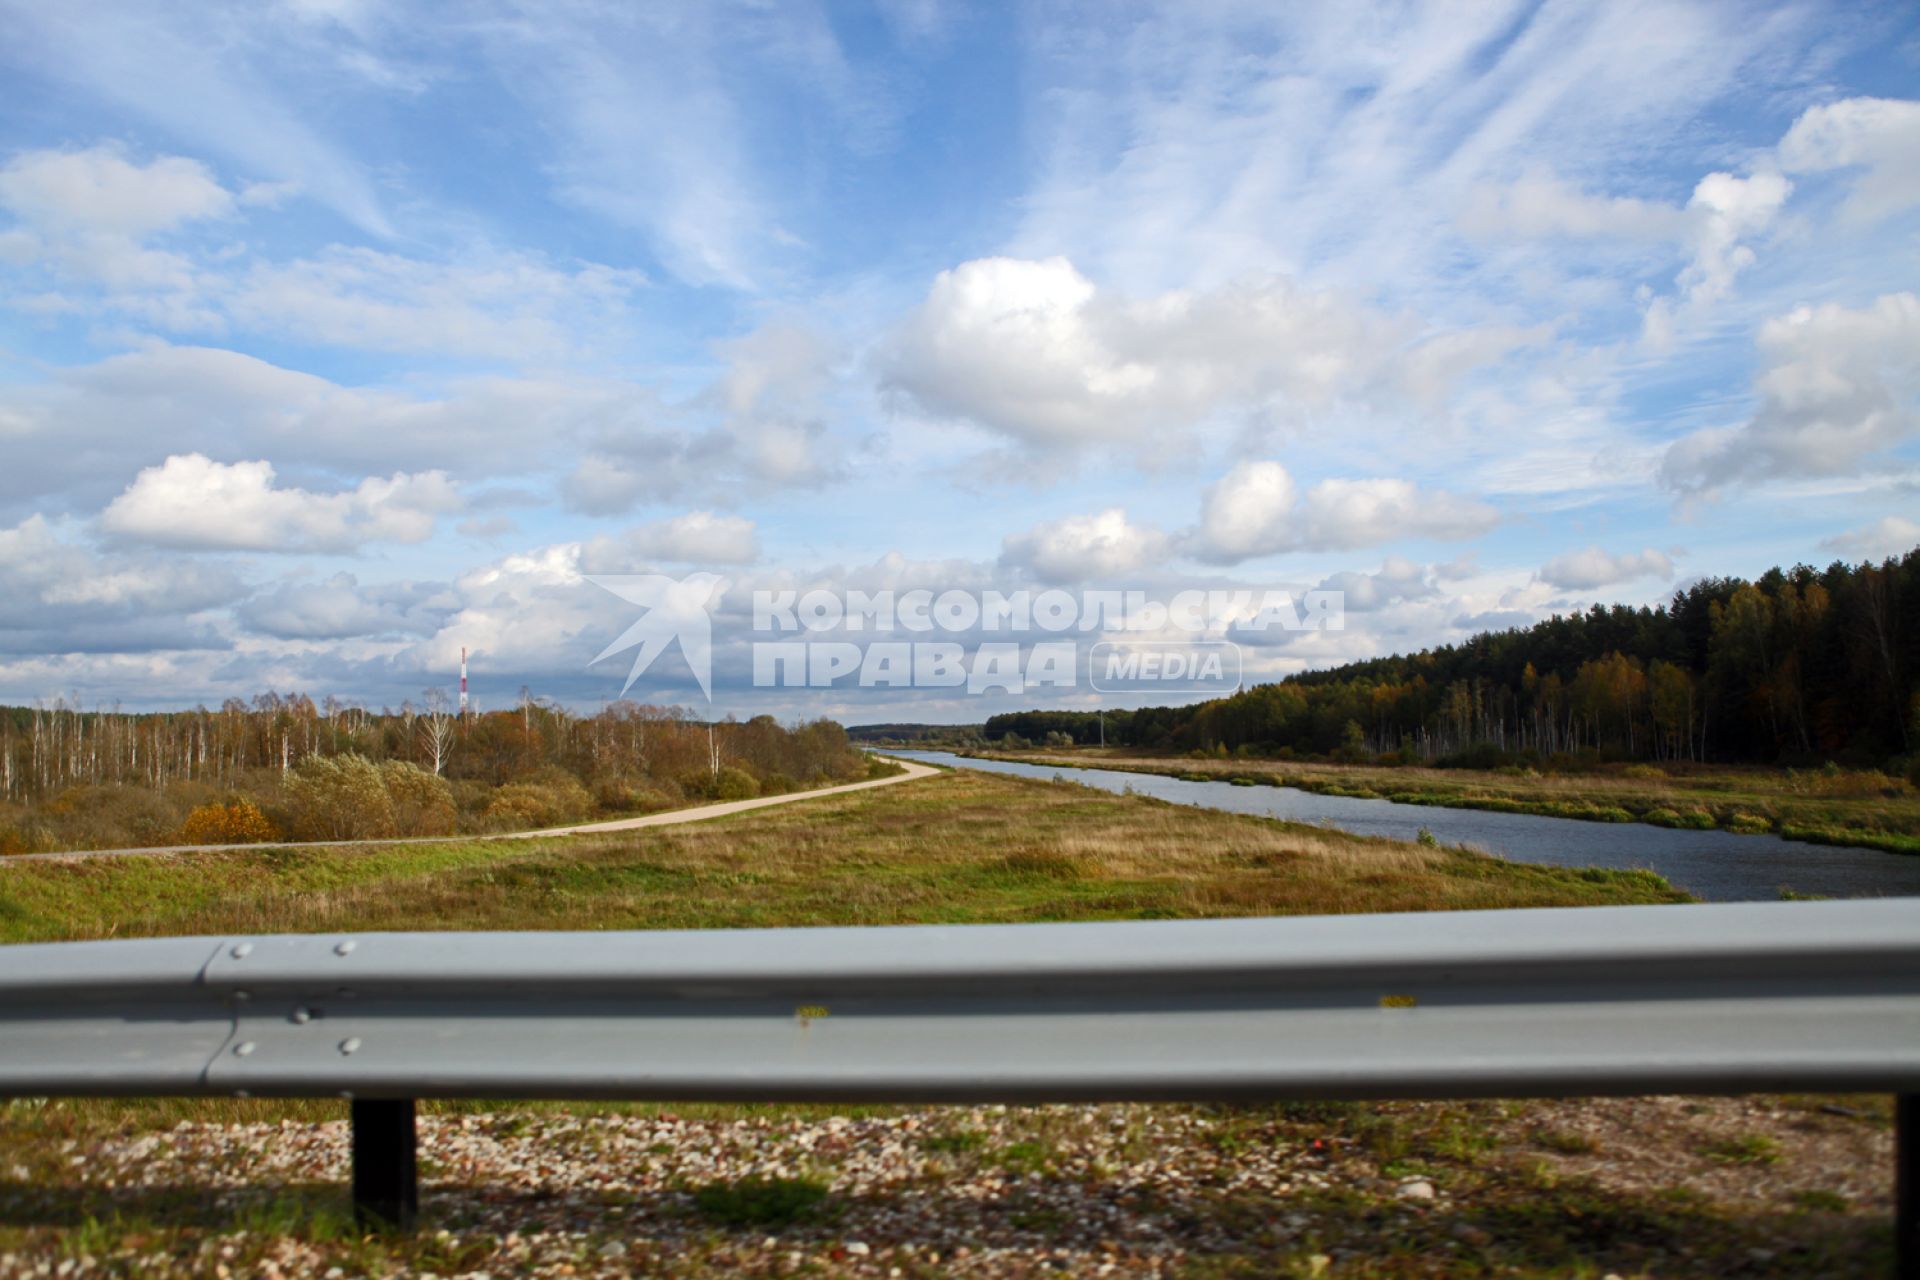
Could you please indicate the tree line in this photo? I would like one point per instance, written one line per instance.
(286, 766)
(1799, 665)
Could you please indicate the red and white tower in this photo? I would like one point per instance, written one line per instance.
(463, 680)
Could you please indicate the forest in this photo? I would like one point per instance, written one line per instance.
(1799, 667)
(284, 767)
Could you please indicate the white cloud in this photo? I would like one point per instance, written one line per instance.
(488, 305)
(1078, 548)
(90, 214)
(1252, 511)
(191, 501)
(1586, 569)
(1879, 136)
(1247, 512)
(1726, 211)
(340, 607)
(1839, 387)
(698, 538)
(1398, 581)
(100, 190)
(1888, 536)
(1360, 513)
(63, 597)
(228, 95)
(1034, 350)
(1541, 205)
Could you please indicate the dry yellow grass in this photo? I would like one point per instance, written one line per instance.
(961, 847)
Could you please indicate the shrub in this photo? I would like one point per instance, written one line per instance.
(421, 802)
(239, 822)
(337, 798)
(1484, 755)
(550, 798)
(108, 815)
(735, 784)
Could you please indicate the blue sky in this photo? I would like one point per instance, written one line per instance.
(337, 335)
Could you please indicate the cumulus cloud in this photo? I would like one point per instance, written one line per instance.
(1591, 567)
(1398, 581)
(1878, 136)
(1889, 536)
(1839, 387)
(1253, 511)
(1032, 349)
(1726, 210)
(698, 537)
(1077, 548)
(340, 607)
(191, 501)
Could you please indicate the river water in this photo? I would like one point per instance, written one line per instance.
(1718, 866)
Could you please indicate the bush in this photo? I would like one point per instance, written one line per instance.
(551, 798)
(1484, 755)
(239, 822)
(421, 802)
(735, 784)
(106, 816)
(339, 797)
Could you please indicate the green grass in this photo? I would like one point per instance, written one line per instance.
(763, 1202)
(961, 847)
(1746, 1148)
(1566, 1142)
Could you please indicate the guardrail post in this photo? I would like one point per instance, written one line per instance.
(1906, 1185)
(386, 1181)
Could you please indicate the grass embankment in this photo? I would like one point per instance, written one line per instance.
(1518, 1189)
(1837, 806)
(961, 848)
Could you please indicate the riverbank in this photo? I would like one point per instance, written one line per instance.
(1831, 807)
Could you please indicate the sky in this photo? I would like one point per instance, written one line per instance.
(339, 335)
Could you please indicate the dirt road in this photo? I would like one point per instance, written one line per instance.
(672, 817)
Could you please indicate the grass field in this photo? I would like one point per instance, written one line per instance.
(233, 1188)
(1822, 806)
(960, 848)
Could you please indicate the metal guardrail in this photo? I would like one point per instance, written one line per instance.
(1714, 999)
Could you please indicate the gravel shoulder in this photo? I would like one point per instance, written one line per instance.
(1644, 1187)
